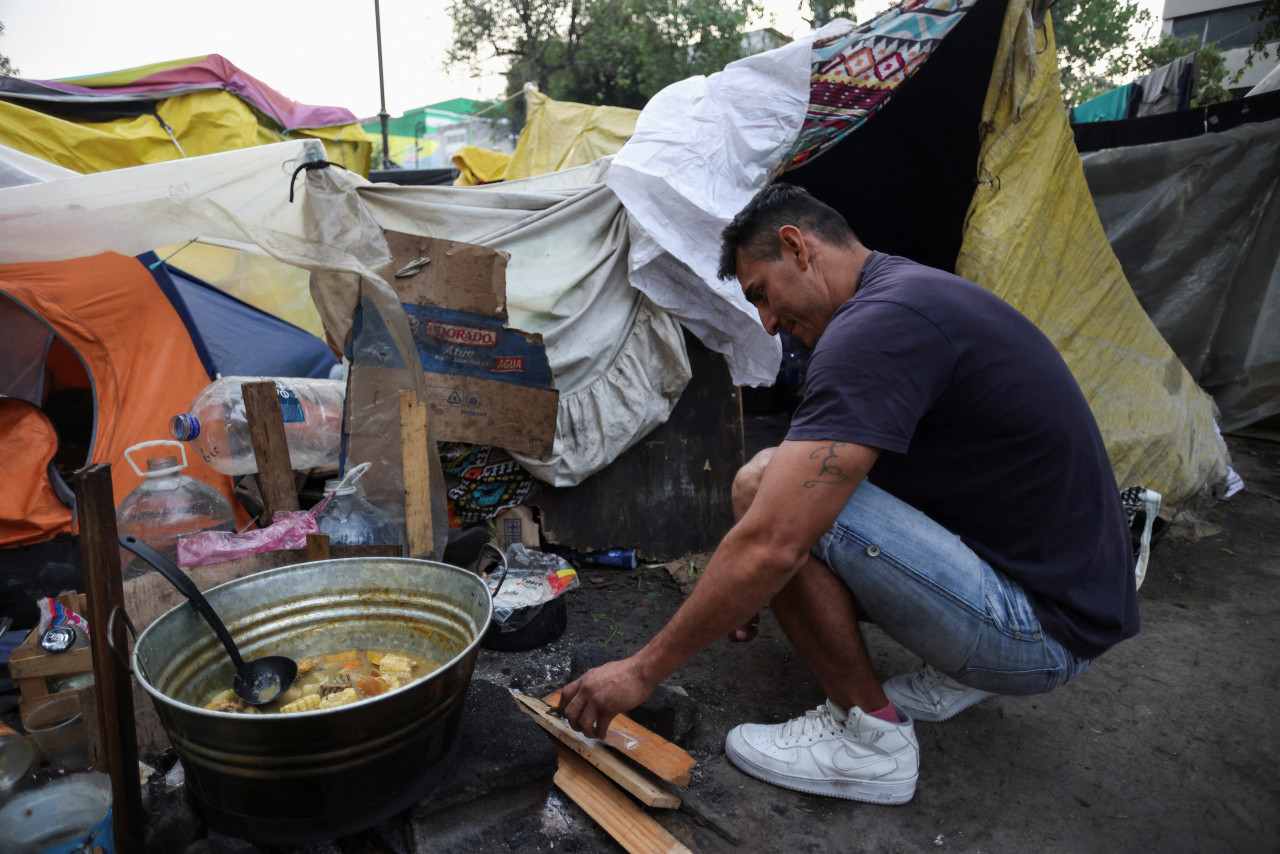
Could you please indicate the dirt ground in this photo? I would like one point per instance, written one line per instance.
(1167, 743)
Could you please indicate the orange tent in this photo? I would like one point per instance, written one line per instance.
(96, 345)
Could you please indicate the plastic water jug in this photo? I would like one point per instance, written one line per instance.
(218, 429)
(350, 519)
(169, 505)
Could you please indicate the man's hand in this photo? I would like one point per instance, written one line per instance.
(591, 702)
(746, 632)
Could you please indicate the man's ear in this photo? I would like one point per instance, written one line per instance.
(794, 247)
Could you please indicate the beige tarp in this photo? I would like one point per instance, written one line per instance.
(1034, 238)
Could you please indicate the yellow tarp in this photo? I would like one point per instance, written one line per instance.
(1033, 237)
(204, 122)
(559, 135)
(479, 165)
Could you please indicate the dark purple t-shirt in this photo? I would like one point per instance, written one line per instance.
(983, 428)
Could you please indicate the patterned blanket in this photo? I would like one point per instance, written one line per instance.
(856, 73)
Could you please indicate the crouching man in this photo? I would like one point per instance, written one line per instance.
(943, 477)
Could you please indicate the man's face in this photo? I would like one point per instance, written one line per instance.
(787, 297)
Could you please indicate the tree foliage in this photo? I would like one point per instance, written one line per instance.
(614, 52)
(1095, 40)
(7, 68)
(1211, 66)
(1269, 15)
(823, 12)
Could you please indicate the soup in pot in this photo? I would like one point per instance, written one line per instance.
(336, 679)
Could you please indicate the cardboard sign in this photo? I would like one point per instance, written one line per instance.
(487, 384)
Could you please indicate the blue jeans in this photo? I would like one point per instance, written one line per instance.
(929, 592)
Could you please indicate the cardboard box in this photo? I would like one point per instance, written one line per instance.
(488, 385)
(517, 525)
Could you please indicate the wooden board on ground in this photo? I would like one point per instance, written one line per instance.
(651, 750)
(600, 757)
(629, 825)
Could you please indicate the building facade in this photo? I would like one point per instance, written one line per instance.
(1229, 25)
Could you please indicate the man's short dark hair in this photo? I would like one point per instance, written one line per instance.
(755, 229)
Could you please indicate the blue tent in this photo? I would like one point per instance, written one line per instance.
(220, 325)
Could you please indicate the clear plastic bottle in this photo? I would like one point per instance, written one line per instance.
(169, 505)
(218, 430)
(349, 518)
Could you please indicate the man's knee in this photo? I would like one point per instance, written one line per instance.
(747, 482)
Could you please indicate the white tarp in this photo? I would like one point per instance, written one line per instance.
(701, 150)
(619, 361)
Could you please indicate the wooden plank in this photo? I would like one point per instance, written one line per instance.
(635, 831)
(270, 448)
(30, 662)
(651, 750)
(417, 474)
(92, 726)
(113, 692)
(317, 547)
(609, 763)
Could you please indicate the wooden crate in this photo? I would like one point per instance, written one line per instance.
(35, 671)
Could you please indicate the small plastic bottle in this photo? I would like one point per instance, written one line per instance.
(169, 505)
(218, 430)
(349, 519)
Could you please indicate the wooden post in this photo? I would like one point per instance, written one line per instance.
(317, 547)
(270, 447)
(113, 692)
(417, 474)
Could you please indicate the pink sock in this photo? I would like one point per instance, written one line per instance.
(888, 713)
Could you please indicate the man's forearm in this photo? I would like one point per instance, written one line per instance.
(740, 579)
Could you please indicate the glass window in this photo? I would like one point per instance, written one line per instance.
(1230, 28)
(1192, 25)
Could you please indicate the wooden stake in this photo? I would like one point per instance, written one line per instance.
(629, 825)
(317, 547)
(651, 750)
(601, 757)
(270, 448)
(113, 693)
(417, 474)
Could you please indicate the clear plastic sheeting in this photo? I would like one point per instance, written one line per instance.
(1196, 226)
(231, 196)
(619, 361)
(18, 168)
(700, 151)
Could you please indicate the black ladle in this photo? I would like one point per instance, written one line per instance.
(256, 682)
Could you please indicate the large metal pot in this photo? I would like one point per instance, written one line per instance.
(316, 775)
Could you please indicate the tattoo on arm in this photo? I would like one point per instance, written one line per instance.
(830, 471)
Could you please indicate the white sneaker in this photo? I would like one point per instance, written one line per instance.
(826, 752)
(931, 695)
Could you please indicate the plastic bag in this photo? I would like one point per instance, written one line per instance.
(54, 613)
(532, 579)
(288, 530)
